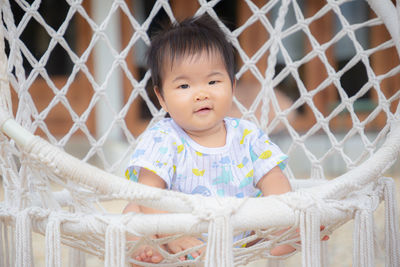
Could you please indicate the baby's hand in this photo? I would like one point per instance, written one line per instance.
(147, 253)
(184, 243)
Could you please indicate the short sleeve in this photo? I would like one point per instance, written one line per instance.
(265, 156)
(154, 152)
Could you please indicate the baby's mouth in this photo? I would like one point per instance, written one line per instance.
(203, 110)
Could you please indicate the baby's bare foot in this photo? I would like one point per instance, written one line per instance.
(184, 243)
(147, 254)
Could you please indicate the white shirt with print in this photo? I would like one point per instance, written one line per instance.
(186, 166)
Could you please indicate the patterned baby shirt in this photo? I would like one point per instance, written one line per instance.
(186, 166)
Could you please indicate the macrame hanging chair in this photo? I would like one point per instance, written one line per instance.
(50, 192)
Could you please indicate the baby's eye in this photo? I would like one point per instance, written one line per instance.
(212, 82)
(184, 86)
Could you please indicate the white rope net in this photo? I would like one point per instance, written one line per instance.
(319, 109)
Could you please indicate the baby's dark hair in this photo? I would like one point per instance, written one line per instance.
(191, 36)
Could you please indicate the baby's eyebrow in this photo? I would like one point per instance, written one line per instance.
(214, 73)
(180, 77)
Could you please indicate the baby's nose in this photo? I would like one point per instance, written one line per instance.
(201, 95)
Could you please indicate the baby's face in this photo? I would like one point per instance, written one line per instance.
(197, 92)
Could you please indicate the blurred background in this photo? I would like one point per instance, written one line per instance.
(96, 73)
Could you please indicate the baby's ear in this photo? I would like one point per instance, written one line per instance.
(160, 97)
(158, 93)
(156, 90)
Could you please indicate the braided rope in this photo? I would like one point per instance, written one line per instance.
(115, 246)
(363, 239)
(270, 72)
(53, 243)
(3, 252)
(5, 103)
(310, 238)
(23, 240)
(392, 233)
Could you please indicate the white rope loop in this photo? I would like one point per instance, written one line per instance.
(53, 243)
(363, 237)
(115, 245)
(310, 237)
(23, 240)
(392, 235)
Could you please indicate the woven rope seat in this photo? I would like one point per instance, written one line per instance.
(49, 191)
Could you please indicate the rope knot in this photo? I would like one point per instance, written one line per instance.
(301, 200)
(220, 231)
(209, 210)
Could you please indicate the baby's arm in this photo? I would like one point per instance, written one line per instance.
(276, 183)
(144, 253)
(147, 253)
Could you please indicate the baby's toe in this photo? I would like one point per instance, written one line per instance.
(156, 258)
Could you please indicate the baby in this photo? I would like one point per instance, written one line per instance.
(199, 150)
